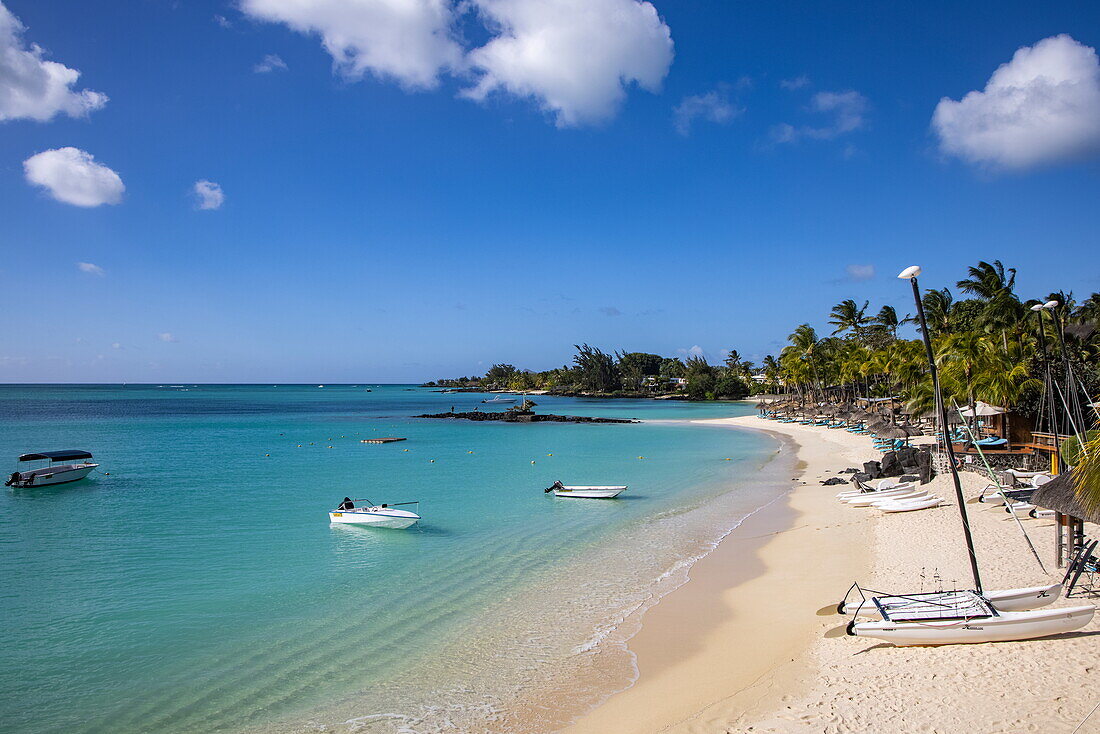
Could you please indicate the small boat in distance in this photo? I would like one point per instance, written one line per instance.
(53, 473)
(586, 492)
(370, 514)
(499, 400)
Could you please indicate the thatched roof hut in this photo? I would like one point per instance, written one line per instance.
(1060, 495)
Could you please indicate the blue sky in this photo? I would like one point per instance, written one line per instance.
(410, 214)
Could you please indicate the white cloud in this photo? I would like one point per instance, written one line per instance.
(409, 41)
(90, 269)
(33, 88)
(208, 195)
(695, 351)
(222, 21)
(713, 106)
(1042, 106)
(116, 345)
(167, 336)
(271, 62)
(72, 176)
(574, 57)
(847, 108)
(860, 272)
(797, 83)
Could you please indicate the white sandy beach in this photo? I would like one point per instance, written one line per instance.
(726, 653)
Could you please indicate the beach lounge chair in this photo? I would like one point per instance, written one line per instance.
(991, 442)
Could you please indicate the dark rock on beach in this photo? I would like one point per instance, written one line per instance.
(512, 416)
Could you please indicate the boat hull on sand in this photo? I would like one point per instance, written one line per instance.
(850, 493)
(589, 493)
(375, 517)
(871, 499)
(1007, 600)
(923, 503)
(1002, 628)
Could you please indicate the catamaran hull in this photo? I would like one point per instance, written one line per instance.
(61, 476)
(367, 519)
(871, 499)
(1008, 626)
(590, 493)
(909, 505)
(1008, 600)
(884, 492)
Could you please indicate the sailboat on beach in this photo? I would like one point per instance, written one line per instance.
(959, 616)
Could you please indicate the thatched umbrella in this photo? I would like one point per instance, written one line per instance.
(1060, 495)
(889, 431)
(911, 430)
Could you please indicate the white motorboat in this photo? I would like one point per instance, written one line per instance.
(1008, 600)
(377, 516)
(606, 492)
(54, 472)
(499, 400)
(963, 617)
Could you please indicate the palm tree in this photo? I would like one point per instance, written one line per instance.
(987, 280)
(937, 311)
(960, 358)
(847, 316)
(1089, 310)
(1086, 475)
(994, 284)
(803, 347)
(771, 370)
(887, 318)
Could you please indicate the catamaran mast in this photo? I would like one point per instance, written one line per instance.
(911, 274)
(1048, 384)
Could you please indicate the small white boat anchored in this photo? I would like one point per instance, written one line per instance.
(499, 400)
(54, 472)
(372, 515)
(586, 492)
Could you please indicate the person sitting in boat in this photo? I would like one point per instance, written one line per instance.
(347, 504)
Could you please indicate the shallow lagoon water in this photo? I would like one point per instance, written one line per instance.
(200, 587)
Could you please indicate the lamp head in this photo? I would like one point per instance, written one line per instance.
(1051, 304)
(1037, 307)
(910, 272)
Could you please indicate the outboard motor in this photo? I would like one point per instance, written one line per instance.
(13, 479)
(552, 487)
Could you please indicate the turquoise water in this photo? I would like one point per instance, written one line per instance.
(200, 587)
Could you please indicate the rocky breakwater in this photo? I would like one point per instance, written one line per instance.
(516, 416)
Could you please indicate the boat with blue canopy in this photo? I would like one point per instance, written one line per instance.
(62, 467)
